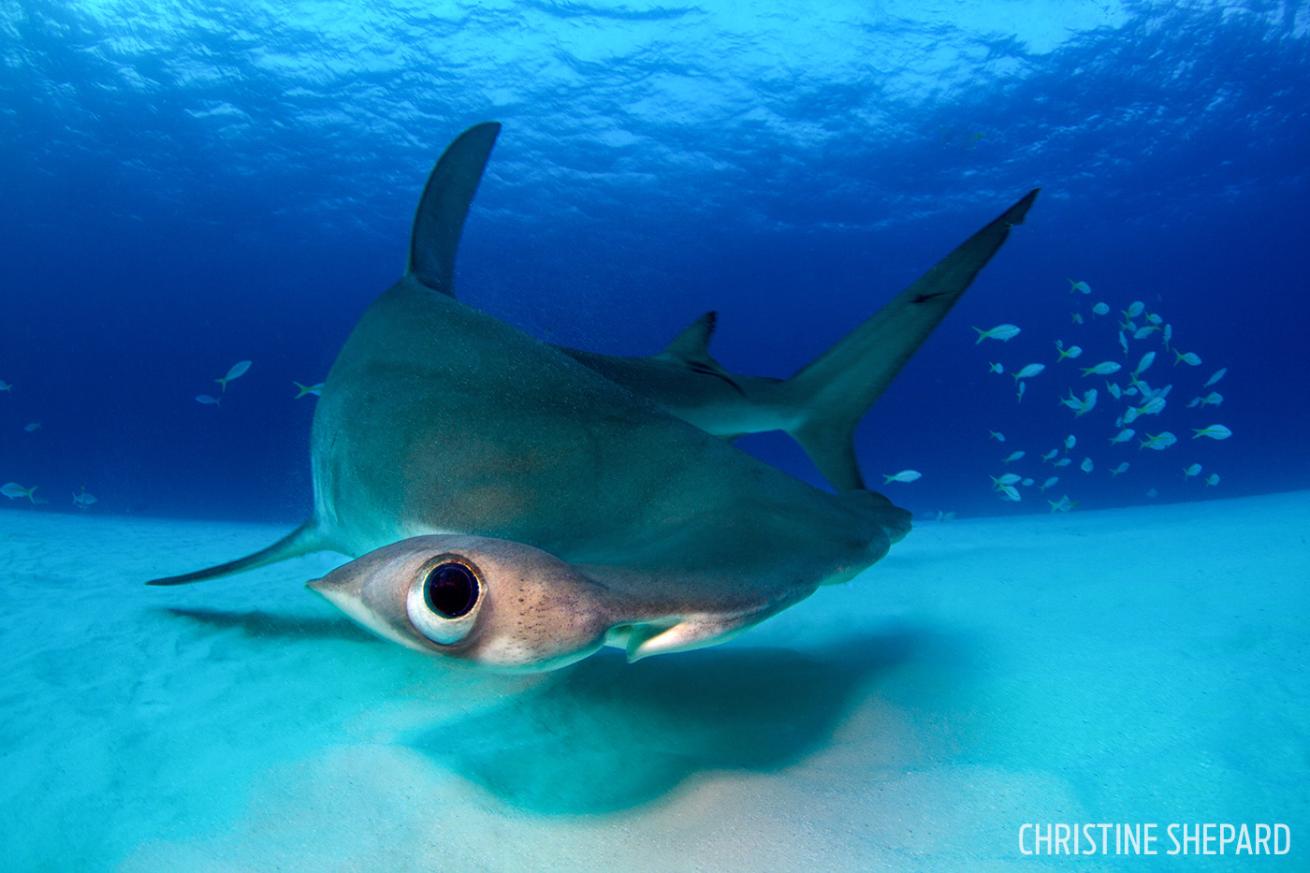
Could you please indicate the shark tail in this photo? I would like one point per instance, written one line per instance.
(301, 541)
(831, 394)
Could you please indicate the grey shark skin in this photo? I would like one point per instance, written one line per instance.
(443, 430)
(821, 404)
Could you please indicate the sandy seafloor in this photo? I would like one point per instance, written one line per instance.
(1128, 665)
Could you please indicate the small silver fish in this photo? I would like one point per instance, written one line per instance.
(1154, 406)
(1192, 359)
(1013, 456)
(1212, 479)
(1192, 470)
(13, 491)
(1158, 441)
(1073, 352)
(1101, 309)
(1083, 406)
(902, 476)
(1086, 465)
(996, 435)
(1028, 371)
(1215, 377)
(1213, 431)
(207, 400)
(1002, 332)
(236, 371)
(1121, 468)
(1049, 482)
(1105, 368)
(1064, 504)
(1123, 436)
(301, 390)
(1080, 287)
(995, 367)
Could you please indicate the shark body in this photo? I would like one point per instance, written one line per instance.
(580, 510)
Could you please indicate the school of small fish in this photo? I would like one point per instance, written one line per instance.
(1136, 333)
(83, 499)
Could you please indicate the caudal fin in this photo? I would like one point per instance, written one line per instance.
(301, 541)
(835, 391)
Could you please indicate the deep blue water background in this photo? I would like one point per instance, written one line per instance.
(190, 184)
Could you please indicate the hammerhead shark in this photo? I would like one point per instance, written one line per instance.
(518, 506)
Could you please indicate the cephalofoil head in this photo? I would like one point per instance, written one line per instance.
(494, 603)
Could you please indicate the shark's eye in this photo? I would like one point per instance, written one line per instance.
(443, 602)
(451, 590)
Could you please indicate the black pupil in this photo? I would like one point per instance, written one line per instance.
(451, 590)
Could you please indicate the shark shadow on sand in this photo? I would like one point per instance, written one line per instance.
(606, 736)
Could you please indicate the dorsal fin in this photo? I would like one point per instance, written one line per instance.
(691, 349)
(444, 205)
(693, 342)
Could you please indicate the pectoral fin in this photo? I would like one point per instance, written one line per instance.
(690, 632)
(301, 541)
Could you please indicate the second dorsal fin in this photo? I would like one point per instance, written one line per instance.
(693, 342)
(691, 349)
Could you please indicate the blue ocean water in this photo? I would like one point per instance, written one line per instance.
(188, 185)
